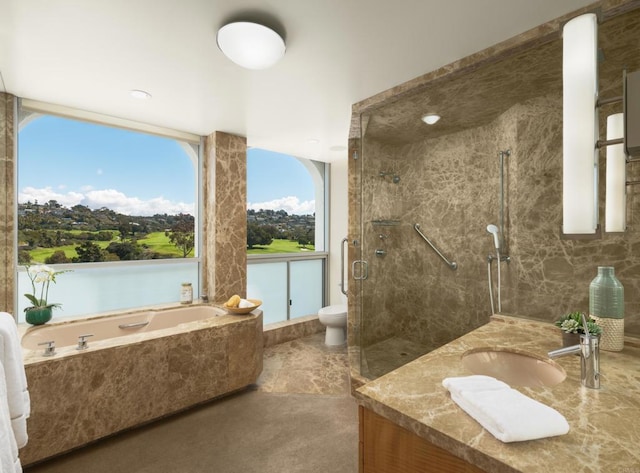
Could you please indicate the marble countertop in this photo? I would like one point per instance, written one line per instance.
(604, 423)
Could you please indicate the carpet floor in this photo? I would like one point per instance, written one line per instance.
(250, 431)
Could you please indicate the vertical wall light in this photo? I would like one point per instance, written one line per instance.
(616, 193)
(580, 126)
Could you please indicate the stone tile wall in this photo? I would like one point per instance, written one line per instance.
(449, 184)
(225, 210)
(7, 211)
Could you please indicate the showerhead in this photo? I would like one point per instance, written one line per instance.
(494, 231)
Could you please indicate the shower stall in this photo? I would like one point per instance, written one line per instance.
(422, 196)
(418, 247)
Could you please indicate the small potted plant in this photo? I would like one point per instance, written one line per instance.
(571, 326)
(41, 277)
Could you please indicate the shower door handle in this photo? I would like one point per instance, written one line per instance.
(344, 240)
(364, 271)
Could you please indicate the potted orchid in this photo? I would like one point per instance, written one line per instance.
(41, 277)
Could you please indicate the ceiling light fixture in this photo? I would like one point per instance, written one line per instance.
(251, 45)
(140, 94)
(430, 118)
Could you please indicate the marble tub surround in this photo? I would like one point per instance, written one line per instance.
(288, 330)
(116, 384)
(603, 432)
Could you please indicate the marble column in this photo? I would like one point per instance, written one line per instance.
(224, 240)
(7, 204)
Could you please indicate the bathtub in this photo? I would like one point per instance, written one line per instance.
(138, 367)
(66, 334)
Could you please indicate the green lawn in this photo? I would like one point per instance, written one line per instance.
(160, 243)
(156, 241)
(279, 246)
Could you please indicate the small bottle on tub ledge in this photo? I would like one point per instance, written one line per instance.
(186, 293)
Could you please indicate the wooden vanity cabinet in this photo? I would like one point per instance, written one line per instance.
(386, 447)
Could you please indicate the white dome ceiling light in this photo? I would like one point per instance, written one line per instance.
(251, 45)
(430, 118)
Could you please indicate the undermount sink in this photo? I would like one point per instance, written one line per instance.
(514, 367)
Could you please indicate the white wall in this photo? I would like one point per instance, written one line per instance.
(338, 226)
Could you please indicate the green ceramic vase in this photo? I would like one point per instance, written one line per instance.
(38, 315)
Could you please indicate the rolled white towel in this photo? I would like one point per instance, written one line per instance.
(244, 304)
(507, 414)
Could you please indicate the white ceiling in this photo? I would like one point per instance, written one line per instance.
(88, 54)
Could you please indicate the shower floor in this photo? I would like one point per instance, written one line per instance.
(385, 356)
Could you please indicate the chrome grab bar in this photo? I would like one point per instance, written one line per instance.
(344, 240)
(452, 264)
(133, 325)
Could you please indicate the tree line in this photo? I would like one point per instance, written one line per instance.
(52, 225)
(263, 226)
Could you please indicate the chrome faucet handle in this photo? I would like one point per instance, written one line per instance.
(589, 349)
(590, 360)
(50, 348)
(585, 327)
(82, 341)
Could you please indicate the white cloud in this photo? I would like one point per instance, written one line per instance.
(44, 195)
(289, 204)
(110, 198)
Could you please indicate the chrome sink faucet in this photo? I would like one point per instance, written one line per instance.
(589, 350)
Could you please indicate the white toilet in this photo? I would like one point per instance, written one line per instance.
(334, 317)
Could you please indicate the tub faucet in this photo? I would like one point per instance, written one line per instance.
(589, 350)
(50, 348)
(82, 341)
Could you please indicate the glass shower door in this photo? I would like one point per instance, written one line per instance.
(385, 301)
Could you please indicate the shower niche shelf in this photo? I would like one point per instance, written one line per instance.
(385, 223)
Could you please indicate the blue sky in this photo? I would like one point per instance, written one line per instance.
(136, 174)
(278, 182)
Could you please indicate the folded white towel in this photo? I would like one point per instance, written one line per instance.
(15, 377)
(507, 414)
(477, 382)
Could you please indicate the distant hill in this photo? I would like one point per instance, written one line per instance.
(53, 226)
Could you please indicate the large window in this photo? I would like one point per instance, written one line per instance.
(118, 207)
(285, 208)
(286, 234)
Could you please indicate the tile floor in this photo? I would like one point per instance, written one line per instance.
(305, 366)
(299, 417)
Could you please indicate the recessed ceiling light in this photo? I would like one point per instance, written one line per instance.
(313, 141)
(250, 45)
(140, 94)
(430, 118)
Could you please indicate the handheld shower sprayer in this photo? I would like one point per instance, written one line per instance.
(496, 241)
(494, 231)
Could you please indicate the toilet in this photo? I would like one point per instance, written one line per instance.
(334, 317)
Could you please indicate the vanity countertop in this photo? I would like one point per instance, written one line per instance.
(604, 423)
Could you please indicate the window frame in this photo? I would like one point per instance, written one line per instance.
(27, 110)
(322, 183)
